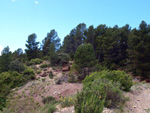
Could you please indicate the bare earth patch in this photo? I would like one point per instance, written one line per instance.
(139, 99)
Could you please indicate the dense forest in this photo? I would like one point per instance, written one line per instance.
(92, 49)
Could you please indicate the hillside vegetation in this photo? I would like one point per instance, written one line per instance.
(93, 70)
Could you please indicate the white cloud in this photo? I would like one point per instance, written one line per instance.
(36, 2)
(13, 0)
(1, 48)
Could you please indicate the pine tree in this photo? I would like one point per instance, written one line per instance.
(32, 47)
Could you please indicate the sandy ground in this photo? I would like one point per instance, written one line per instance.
(139, 99)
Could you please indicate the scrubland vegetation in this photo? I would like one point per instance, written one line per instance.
(103, 58)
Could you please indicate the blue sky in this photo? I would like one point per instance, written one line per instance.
(20, 18)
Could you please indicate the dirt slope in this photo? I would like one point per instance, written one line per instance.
(139, 99)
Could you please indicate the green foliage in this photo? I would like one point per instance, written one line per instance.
(49, 99)
(9, 81)
(5, 59)
(51, 43)
(114, 96)
(98, 92)
(29, 74)
(74, 39)
(32, 47)
(34, 61)
(38, 71)
(90, 100)
(57, 81)
(72, 78)
(16, 66)
(139, 47)
(121, 77)
(66, 101)
(59, 59)
(85, 59)
(51, 75)
(44, 65)
(51, 108)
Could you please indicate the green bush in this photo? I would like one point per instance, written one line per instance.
(49, 99)
(44, 65)
(45, 58)
(34, 62)
(38, 71)
(90, 100)
(72, 79)
(57, 81)
(29, 63)
(100, 93)
(114, 96)
(51, 108)
(16, 66)
(51, 75)
(113, 66)
(29, 74)
(59, 59)
(66, 101)
(121, 77)
(85, 60)
(9, 81)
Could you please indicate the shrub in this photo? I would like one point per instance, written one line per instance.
(116, 76)
(43, 80)
(16, 66)
(44, 65)
(66, 101)
(113, 66)
(38, 71)
(59, 59)
(72, 79)
(45, 58)
(114, 96)
(49, 99)
(90, 100)
(9, 81)
(29, 74)
(85, 59)
(51, 75)
(58, 81)
(29, 63)
(100, 93)
(51, 108)
(34, 61)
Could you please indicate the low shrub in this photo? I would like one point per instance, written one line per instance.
(29, 63)
(16, 66)
(66, 101)
(121, 77)
(90, 100)
(38, 72)
(100, 93)
(51, 75)
(58, 81)
(8, 81)
(29, 74)
(34, 62)
(114, 96)
(45, 58)
(51, 108)
(49, 99)
(44, 65)
(72, 79)
(59, 59)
